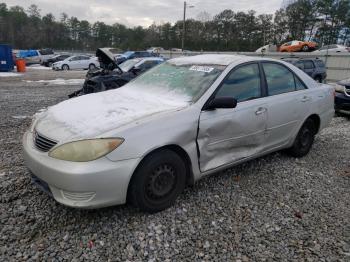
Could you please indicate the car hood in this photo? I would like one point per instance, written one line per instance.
(105, 56)
(92, 115)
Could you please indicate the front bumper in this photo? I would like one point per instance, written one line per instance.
(342, 102)
(93, 184)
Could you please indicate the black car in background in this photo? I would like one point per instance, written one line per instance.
(49, 62)
(314, 67)
(111, 75)
(342, 97)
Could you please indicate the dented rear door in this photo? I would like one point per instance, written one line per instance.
(228, 135)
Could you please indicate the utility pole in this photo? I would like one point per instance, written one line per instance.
(184, 28)
(184, 25)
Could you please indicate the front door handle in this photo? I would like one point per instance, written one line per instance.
(260, 110)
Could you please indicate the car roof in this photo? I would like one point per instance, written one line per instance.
(212, 59)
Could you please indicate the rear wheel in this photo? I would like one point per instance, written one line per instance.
(65, 67)
(305, 48)
(318, 79)
(158, 181)
(92, 67)
(304, 140)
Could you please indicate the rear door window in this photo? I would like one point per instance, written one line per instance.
(279, 79)
(308, 64)
(320, 63)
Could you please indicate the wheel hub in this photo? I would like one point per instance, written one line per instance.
(161, 181)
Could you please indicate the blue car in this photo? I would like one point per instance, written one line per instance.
(134, 54)
(342, 97)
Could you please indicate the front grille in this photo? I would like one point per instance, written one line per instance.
(42, 143)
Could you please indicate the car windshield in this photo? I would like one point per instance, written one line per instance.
(191, 81)
(127, 65)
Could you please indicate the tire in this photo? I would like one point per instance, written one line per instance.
(49, 64)
(157, 182)
(305, 48)
(92, 67)
(65, 67)
(304, 140)
(318, 79)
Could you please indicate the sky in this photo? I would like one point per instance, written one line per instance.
(142, 12)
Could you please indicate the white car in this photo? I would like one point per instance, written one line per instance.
(333, 49)
(176, 123)
(266, 49)
(77, 62)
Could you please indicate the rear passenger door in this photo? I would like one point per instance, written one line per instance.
(74, 62)
(288, 103)
(84, 62)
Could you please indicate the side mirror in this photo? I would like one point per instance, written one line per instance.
(221, 102)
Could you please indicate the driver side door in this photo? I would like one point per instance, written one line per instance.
(228, 135)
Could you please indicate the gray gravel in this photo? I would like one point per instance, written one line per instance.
(275, 208)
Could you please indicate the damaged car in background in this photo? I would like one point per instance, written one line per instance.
(174, 124)
(342, 97)
(111, 75)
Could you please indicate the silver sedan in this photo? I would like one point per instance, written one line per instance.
(180, 121)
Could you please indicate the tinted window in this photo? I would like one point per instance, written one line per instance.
(62, 56)
(243, 83)
(300, 65)
(46, 52)
(279, 79)
(319, 63)
(308, 64)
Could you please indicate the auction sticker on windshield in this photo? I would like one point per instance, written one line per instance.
(205, 69)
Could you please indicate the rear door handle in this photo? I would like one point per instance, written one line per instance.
(305, 99)
(260, 110)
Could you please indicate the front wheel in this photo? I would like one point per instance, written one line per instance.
(65, 67)
(304, 140)
(158, 181)
(92, 67)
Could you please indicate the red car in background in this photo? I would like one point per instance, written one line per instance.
(298, 46)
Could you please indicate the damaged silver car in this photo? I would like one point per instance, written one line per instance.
(178, 122)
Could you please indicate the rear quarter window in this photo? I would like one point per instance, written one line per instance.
(320, 63)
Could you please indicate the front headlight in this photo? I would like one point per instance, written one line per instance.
(339, 88)
(85, 150)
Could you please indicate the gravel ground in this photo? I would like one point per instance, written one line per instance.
(275, 208)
